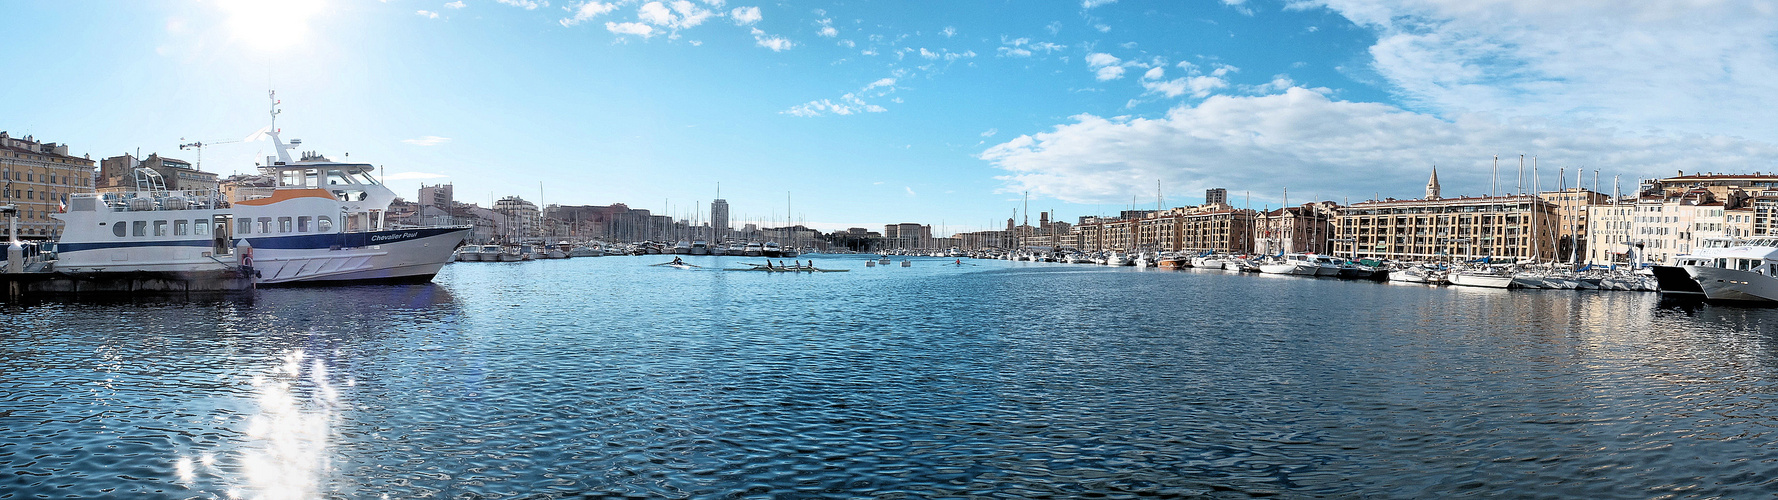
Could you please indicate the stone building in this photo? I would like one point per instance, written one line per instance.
(118, 174)
(37, 178)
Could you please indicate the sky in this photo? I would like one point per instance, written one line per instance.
(862, 113)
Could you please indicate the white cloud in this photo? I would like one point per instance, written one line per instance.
(847, 43)
(910, 191)
(1700, 66)
(638, 29)
(949, 31)
(526, 4)
(454, 5)
(745, 15)
(774, 42)
(1264, 142)
(990, 132)
(849, 104)
(409, 176)
(586, 11)
(715, 3)
(427, 14)
(655, 13)
(1105, 66)
(1196, 83)
(1088, 4)
(430, 140)
(827, 29)
(1023, 47)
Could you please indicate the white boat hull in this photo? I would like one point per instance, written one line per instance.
(1480, 280)
(1731, 284)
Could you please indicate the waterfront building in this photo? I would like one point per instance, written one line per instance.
(1309, 227)
(117, 174)
(246, 187)
(1509, 227)
(522, 218)
(719, 219)
(38, 177)
(1571, 206)
(908, 235)
(1216, 196)
(1609, 233)
(439, 196)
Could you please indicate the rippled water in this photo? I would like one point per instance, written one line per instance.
(608, 377)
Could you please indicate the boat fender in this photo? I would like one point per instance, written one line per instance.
(245, 251)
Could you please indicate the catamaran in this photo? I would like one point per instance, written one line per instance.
(322, 222)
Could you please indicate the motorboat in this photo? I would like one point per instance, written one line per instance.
(771, 249)
(700, 247)
(1484, 278)
(1745, 272)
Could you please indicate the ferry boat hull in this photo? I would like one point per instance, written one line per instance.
(380, 256)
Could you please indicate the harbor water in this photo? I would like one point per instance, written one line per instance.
(608, 377)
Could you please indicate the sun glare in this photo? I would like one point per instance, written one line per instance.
(271, 24)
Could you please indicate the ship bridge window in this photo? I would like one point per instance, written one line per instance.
(303, 224)
(284, 224)
(160, 228)
(119, 229)
(265, 225)
(139, 228)
(244, 226)
(324, 224)
(199, 227)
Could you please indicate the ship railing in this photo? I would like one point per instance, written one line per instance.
(142, 201)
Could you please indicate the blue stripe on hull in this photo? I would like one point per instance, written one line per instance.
(296, 242)
(76, 247)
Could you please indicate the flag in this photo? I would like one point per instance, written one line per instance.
(63, 203)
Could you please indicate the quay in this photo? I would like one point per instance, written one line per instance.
(19, 285)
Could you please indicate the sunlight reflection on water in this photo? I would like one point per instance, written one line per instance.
(285, 450)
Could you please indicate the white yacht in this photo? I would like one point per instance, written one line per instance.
(753, 250)
(322, 222)
(1480, 278)
(771, 249)
(1746, 272)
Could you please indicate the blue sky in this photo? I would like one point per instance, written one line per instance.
(873, 112)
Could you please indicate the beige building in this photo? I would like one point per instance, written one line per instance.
(1215, 227)
(37, 178)
(1571, 219)
(1509, 227)
(1306, 228)
(118, 174)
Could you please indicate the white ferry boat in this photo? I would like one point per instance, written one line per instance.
(322, 222)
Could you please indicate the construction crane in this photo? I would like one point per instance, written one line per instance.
(199, 145)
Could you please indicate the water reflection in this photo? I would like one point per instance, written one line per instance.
(606, 377)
